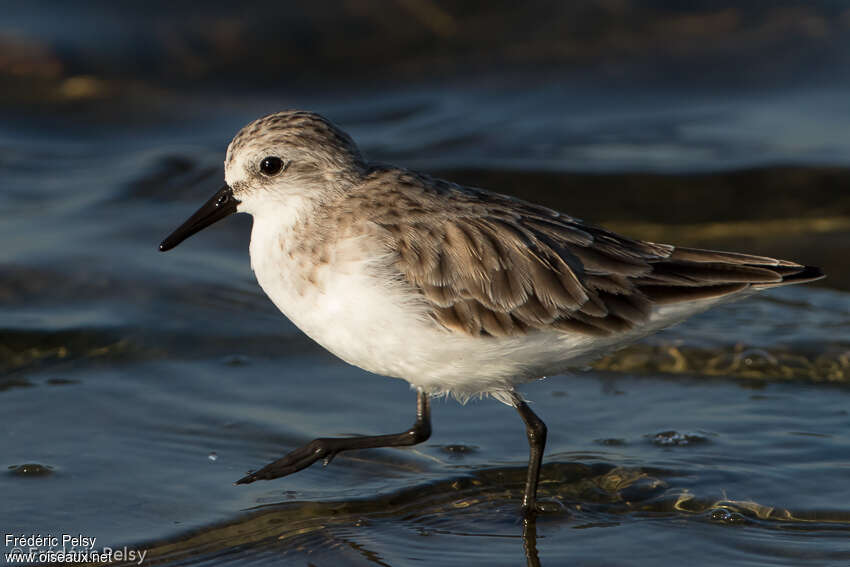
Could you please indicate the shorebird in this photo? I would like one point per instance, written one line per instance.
(455, 289)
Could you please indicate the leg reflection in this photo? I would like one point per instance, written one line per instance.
(529, 541)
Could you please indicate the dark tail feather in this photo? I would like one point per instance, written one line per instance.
(803, 275)
(690, 274)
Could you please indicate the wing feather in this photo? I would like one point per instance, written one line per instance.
(491, 265)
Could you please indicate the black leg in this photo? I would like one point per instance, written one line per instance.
(536, 431)
(326, 448)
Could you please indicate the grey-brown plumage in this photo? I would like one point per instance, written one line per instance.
(492, 265)
(488, 264)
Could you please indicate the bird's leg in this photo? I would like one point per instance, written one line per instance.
(536, 431)
(326, 448)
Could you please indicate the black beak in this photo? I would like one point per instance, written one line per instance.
(220, 205)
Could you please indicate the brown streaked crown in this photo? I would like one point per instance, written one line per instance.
(308, 140)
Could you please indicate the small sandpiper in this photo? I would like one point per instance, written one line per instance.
(457, 290)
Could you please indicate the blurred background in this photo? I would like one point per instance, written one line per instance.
(137, 386)
(742, 106)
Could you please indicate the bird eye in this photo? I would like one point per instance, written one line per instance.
(271, 165)
(223, 199)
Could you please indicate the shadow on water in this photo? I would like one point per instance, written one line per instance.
(573, 495)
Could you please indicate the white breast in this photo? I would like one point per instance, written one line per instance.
(342, 303)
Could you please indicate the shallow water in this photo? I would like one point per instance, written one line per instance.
(136, 387)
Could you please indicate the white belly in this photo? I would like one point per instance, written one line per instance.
(372, 321)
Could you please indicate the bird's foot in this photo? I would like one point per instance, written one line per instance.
(303, 457)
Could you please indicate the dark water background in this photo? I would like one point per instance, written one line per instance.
(135, 387)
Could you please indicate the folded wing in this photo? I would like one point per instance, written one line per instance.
(511, 267)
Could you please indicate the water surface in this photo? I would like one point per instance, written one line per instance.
(136, 387)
